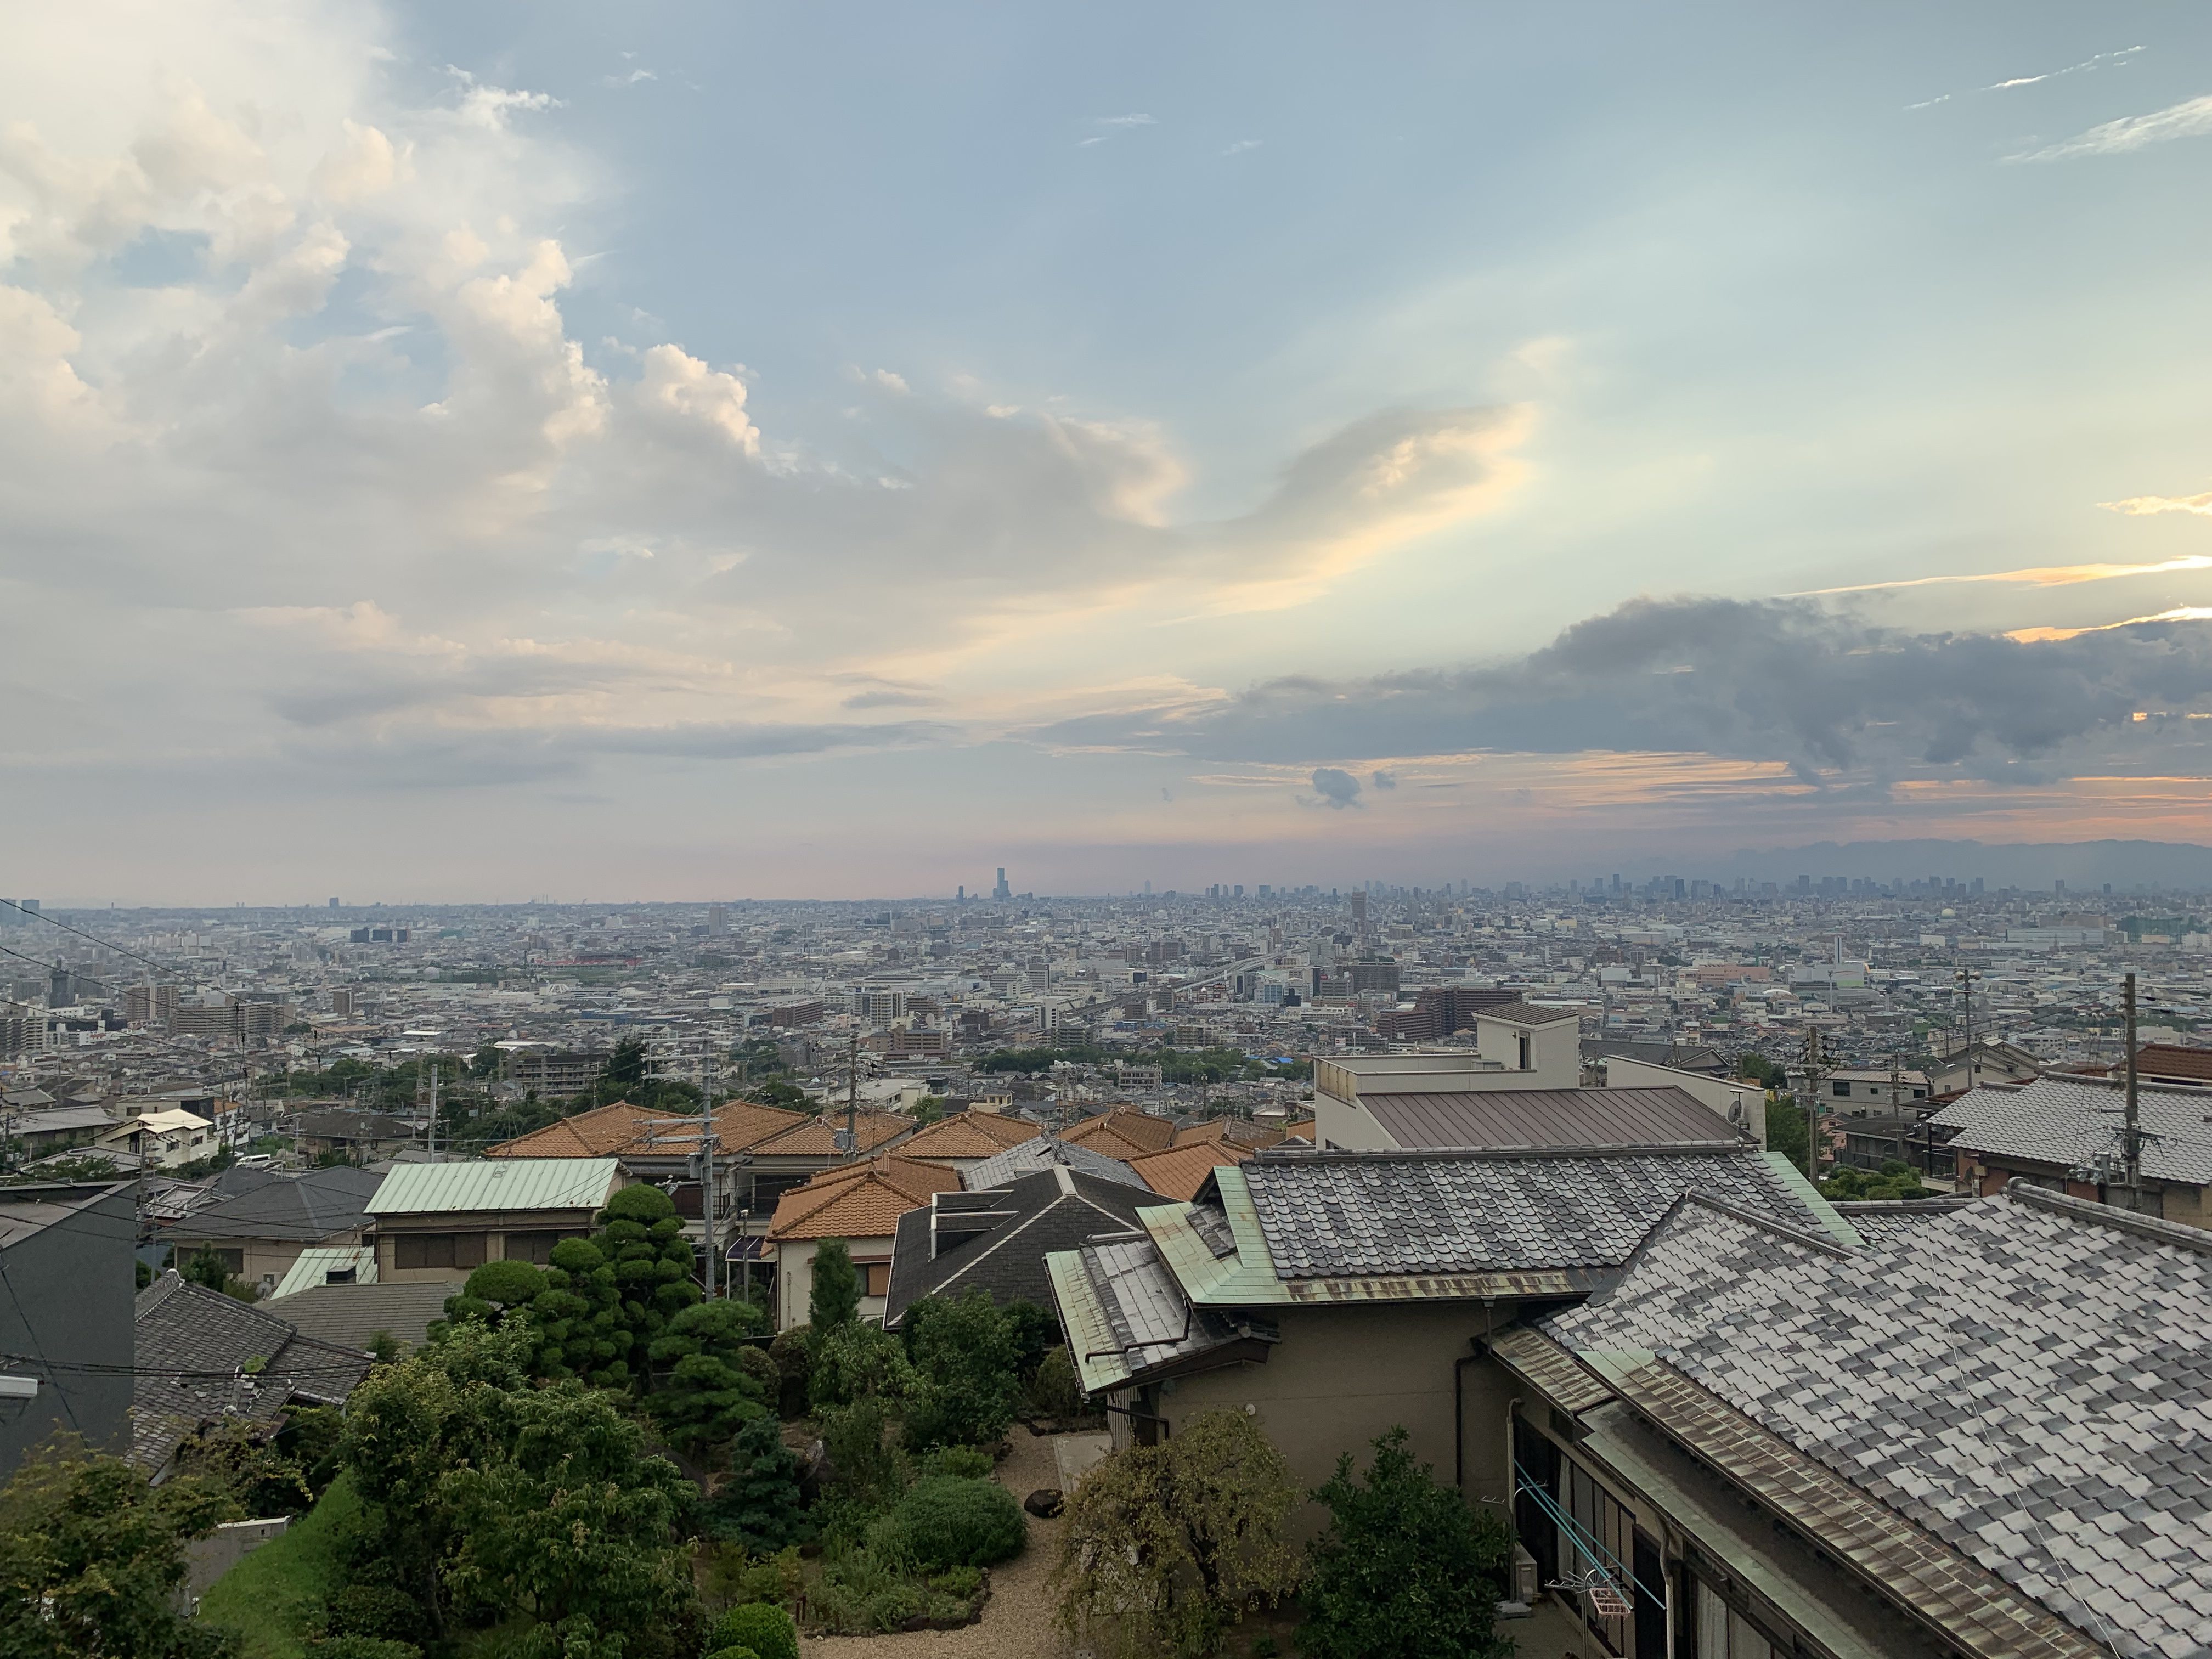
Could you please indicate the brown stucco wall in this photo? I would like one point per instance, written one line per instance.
(1341, 1376)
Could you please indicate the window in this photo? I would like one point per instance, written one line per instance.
(233, 1261)
(533, 1246)
(1840, 1089)
(1525, 1065)
(1601, 1541)
(438, 1251)
(878, 1281)
(1724, 1633)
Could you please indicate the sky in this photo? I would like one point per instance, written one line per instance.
(491, 452)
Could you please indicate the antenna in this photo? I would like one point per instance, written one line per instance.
(2131, 1136)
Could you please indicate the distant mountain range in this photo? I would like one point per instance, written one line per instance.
(2086, 867)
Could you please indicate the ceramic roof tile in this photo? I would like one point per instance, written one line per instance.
(969, 1134)
(1179, 1171)
(2073, 1120)
(2028, 1378)
(1122, 1132)
(1339, 1215)
(1045, 1153)
(816, 1137)
(862, 1200)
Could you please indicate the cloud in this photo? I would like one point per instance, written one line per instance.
(629, 80)
(1126, 121)
(2190, 119)
(1339, 789)
(2141, 506)
(492, 108)
(2178, 613)
(1241, 145)
(1836, 699)
(2100, 60)
(2059, 576)
(1385, 779)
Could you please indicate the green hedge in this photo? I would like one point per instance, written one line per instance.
(946, 1521)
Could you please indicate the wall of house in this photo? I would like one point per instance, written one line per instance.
(1347, 1124)
(490, 1239)
(1554, 1052)
(1342, 1376)
(794, 1282)
(69, 1290)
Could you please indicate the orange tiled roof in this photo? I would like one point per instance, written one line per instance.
(600, 1132)
(862, 1200)
(1122, 1128)
(608, 1131)
(969, 1134)
(812, 1137)
(1232, 1129)
(1179, 1171)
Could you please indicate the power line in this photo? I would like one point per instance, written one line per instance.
(105, 945)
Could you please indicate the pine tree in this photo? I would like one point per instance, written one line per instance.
(835, 1299)
(759, 1505)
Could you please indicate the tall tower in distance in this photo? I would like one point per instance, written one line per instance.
(1002, 891)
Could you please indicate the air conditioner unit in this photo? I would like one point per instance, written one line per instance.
(1525, 1587)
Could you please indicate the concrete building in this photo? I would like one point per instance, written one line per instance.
(65, 1261)
(1741, 1103)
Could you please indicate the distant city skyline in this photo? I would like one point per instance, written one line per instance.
(456, 453)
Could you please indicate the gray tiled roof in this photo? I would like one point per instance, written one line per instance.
(2069, 1120)
(1333, 1215)
(2028, 1378)
(190, 1343)
(1887, 1221)
(1043, 1214)
(1547, 1117)
(1046, 1153)
(310, 1206)
(351, 1315)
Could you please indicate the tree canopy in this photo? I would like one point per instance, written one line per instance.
(1405, 1570)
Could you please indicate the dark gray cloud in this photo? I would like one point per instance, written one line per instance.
(1385, 779)
(1339, 789)
(1832, 695)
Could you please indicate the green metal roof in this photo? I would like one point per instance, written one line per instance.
(1245, 1279)
(497, 1184)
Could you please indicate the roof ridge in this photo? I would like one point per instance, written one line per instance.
(2156, 1229)
(1282, 1153)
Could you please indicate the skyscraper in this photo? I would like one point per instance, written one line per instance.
(1002, 891)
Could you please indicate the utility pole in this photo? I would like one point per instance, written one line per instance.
(2131, 1132)
(1965, 977)
(434, 1111)
(1812, 1069)
(707, 1160)
(853, 1098)
(1897, 1103)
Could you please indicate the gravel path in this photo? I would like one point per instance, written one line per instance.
(1016, 1622)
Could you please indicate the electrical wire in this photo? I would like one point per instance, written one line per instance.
(121, 951)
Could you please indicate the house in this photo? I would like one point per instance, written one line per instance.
(335, 1264)
(662, 1148)
(997, 1240)
(1407, 1110)
(2171, 1063)
(352, 1316)
(360, 1136)
(1740, 1102)
(1983, 1435)
(162, 1138)
(1178, 1172)
(54, 1129)
(65, 1258)
(1233, 1131)
(1862, 1094)
(1336, 1295)
(1046, 1153)
(204, 1357)
(813, 1146)
(259, 1233)
(1982, 1062)
(1122, 1132)
(440, 1221)
(859, 1203)
(2063, 1131)
(964, 1140)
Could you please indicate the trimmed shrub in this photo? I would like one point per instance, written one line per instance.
(944, 1521)
(969, 1462)
(768, 1632)
(1055, 1391)
(362, 1647)
(733, 1653)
